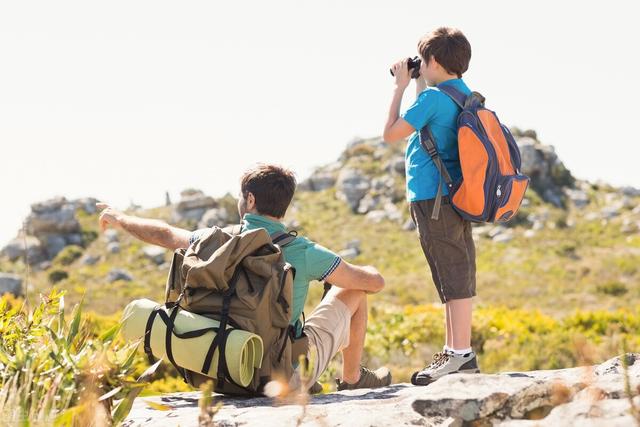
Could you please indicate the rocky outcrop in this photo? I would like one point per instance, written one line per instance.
(10, 283)
(51, 226)
(568, 397)
(192, 205)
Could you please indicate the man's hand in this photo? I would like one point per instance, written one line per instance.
(401, 73)
(109, 216)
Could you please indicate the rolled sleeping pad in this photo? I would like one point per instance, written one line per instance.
(243, 351)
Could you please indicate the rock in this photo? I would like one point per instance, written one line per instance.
(89, 259)
(111, 235)
(354, 244)
(609, 212)
(397, 165)
(368, 203)
(579, 198)
(630, 191)
(349, 253)
(503, 238)
(87, 204)
(529, 234)
(506, 399)
(113, 247)
(53, 243)
(49, 206)
(320, 181)
(376, 216)
(496, 230)
(10, 283)
(192, 205)
(195, 200)
(45, 220)
(548, 174)
(119, 274)
(15, 250)
(409, 225)
(214, 217)
(352, 187)
(155, 254)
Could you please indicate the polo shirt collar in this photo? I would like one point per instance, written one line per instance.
(259, 221)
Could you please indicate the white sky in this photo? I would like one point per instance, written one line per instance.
(124, 100)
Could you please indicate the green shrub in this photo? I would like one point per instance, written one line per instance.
(68, 255)
(56, 276)
(612, 288)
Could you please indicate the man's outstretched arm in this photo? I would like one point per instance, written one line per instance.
(151, 231)
(363, 278)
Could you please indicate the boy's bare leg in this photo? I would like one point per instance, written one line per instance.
(356, 301)
(459, 318)
(447, 320)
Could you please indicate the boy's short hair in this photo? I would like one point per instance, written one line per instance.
(273, 187)
(449, 47)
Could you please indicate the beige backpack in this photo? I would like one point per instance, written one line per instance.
(242, 280)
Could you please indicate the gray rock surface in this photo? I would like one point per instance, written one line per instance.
(214, 217)
(352, 187)
(15, 250)
(10, 283)
(592, 396)
(119, 274)
(154, 253)
(192, 205)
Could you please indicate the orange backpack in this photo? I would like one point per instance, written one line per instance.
(492, 187)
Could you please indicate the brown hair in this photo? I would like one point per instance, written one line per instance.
(272, 186)
(449, 47)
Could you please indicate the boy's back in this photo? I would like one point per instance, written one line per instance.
(434, 108)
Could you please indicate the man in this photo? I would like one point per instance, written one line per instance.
(339, 322)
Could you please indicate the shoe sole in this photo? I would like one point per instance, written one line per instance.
(427, 381)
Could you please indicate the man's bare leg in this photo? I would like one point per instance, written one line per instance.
(356, 301)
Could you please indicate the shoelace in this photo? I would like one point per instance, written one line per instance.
(439, 359)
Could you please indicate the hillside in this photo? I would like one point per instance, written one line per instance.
(558, 286)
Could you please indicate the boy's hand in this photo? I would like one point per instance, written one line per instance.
(109, 216)
(401, 73)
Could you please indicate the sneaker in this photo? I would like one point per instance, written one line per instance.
(445, 363)
(368, 379)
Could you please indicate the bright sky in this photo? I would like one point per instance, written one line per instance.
(124, 100)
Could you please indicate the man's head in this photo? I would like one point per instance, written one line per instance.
(266, 190)
(445, 52)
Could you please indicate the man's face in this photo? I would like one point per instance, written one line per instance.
(246, 205)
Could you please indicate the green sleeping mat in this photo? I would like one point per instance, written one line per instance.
(243, 352)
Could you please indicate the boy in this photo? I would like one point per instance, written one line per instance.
(446, 242)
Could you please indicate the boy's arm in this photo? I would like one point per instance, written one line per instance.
(148, 230)
(396, 127)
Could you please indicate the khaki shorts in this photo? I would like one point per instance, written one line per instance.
(327, 329)
(448, 245)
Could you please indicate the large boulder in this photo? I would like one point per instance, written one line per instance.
(10, 283)
(214, 217)
(592, 396)
(352, 186)
(549, 176)
(318, 181)
(192, 205)
(15, 250)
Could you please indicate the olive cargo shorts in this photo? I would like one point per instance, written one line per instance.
(448, 245)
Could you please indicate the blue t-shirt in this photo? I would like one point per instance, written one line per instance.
(311, 261)
(436, 109)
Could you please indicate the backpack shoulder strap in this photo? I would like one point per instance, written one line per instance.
(458, 97)
(428, 143)
(283, 238)
(234, 230)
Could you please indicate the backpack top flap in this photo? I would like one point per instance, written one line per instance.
(211, 262)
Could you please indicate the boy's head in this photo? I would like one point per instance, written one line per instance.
(266, 190)
(445, 52)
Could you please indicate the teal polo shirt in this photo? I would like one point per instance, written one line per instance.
(434, 108)
(311, 261)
